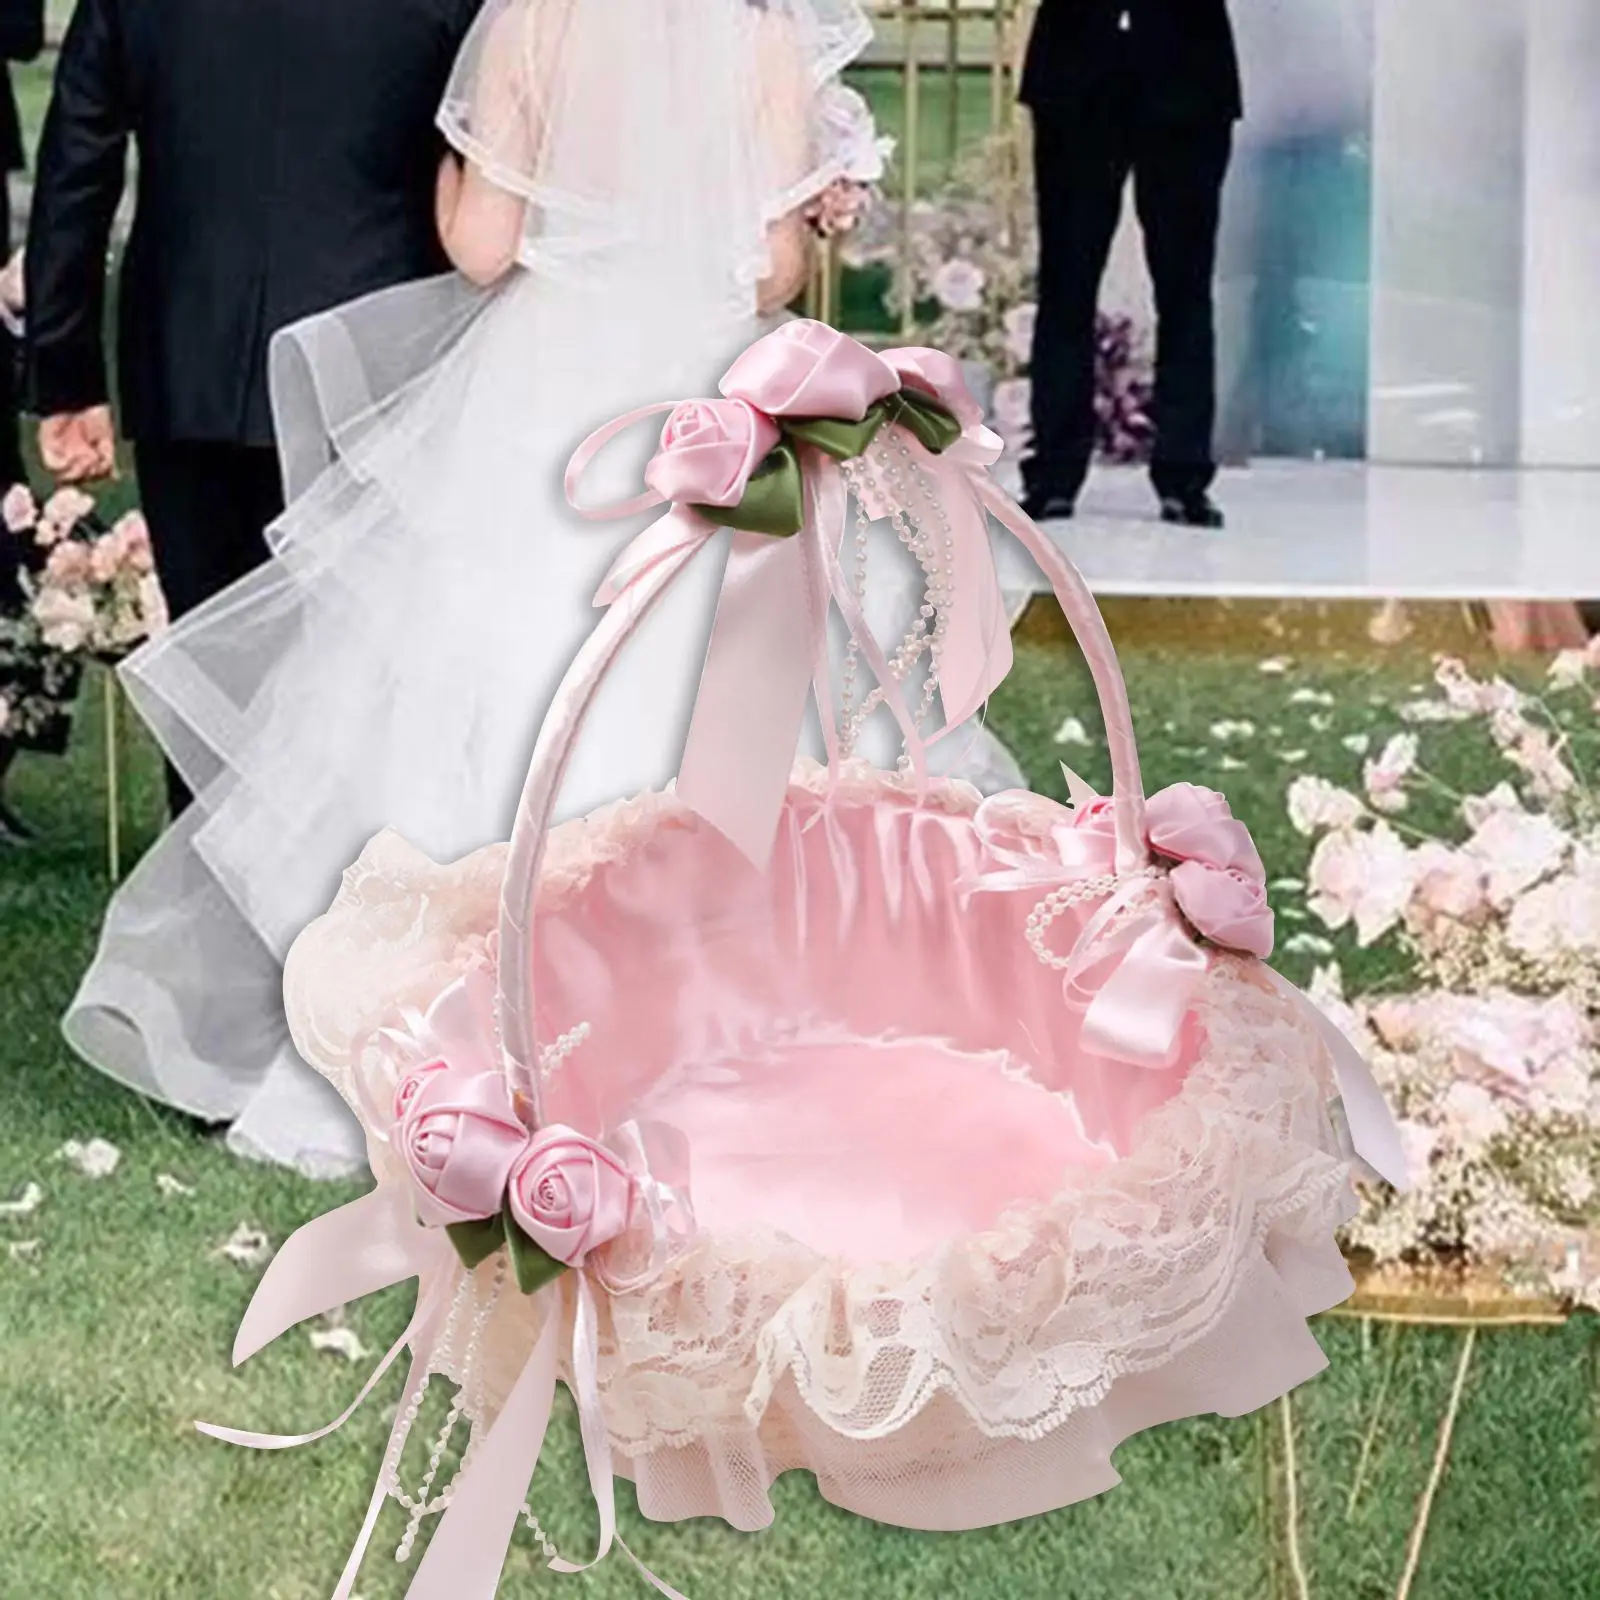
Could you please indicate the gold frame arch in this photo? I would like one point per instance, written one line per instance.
(956, 41)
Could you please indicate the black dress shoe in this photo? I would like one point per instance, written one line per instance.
(1049, 507)
(1197, 510)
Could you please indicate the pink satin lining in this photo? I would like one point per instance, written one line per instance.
(841, 1026)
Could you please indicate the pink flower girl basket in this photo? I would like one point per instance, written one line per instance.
(823, 1117)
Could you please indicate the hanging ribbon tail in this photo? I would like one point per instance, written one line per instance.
(976, 656)
(468, 1550)
(677, 530)
(1373, 1131)
(431, 1297)
(592, 1424)
(342, 1256)
(747, 715)
(416, 1382)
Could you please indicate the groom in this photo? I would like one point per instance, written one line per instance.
(1147, 88)
(287, 161)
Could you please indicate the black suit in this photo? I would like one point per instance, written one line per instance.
(287, 160)
(21, 39)
(1118, 87)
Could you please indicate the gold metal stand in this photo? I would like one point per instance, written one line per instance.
(112, 712)
(1468, 1302)
(948, 40)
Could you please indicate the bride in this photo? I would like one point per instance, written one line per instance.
(623, 203)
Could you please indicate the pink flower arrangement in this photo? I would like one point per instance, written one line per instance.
(471, 1158)
(850, 144)
(839, 209)
(1218, 881)
(97, 592)
(1493, 1059)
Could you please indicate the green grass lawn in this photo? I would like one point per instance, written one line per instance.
(117, 1335)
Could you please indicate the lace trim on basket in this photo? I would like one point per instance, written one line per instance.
(1022, 1325)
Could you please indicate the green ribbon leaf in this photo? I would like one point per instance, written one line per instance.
(774, 499)
(934, 427)
(534, 1267)
(844, 441)
(475, 1242)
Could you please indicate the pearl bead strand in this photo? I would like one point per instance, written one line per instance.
(422, 1505)
(904, 481)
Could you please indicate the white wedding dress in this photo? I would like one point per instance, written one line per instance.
(389, 666)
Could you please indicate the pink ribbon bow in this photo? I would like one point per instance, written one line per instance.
(769, 643)
(569, 1200)
(1138, 964)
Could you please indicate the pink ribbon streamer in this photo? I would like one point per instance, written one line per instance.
(978, 641)
(1373, 1131)
(374, 1243)
(769, 642)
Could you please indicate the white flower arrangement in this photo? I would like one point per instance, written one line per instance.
(1493, 1062)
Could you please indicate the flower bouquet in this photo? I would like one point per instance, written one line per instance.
(860, 155)
(95, 594)
(1493, 1061)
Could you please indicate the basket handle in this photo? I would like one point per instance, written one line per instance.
(562, 725)
(1088, 625)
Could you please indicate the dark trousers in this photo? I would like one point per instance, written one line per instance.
(208, 507)
(1082, 162)
(12, 469)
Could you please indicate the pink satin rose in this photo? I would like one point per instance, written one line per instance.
(569, 1194)
(1097, 816)
(1225, 906)
(939, 375)
(409, 1089)
(1189, 823)
(459, 1138)
(807, 369)
(708, 450)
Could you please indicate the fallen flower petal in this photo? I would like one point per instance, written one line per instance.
(98, 1158)
(247, 1246)
(29, 1201)
(339, 1342)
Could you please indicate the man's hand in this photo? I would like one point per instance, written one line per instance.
(79, 446)
(13, 297)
